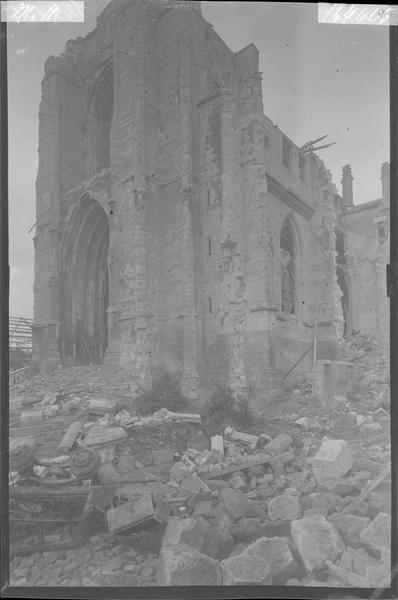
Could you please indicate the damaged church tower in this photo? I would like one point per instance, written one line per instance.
(177, 227)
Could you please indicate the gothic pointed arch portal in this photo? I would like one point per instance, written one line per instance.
(85, 289)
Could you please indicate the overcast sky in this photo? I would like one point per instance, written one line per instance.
(317, 79)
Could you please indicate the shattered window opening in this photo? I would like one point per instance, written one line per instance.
(288, 283)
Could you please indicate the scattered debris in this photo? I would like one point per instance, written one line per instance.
(155, 499)
(181, 564)
(316, 540)
(67, 442)
(334, 459)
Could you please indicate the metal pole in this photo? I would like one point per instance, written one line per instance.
(297, 362)
(314, 357)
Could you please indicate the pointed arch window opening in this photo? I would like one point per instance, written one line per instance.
(102, 115)
(288, 269)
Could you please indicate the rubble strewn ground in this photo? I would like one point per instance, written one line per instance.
(301, 497)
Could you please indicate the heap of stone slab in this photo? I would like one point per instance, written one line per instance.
(247, 510)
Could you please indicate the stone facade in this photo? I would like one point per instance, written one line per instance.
(363, 251)
(162, 194)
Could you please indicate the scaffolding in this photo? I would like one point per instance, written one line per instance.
(20, 333)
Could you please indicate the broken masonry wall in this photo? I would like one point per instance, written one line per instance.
(60, 115)
(257, 230)
(367, 254)
(184, 174)
(291, 334)
(137, 336)
(177, 290)
(223, 301)
(327, 308)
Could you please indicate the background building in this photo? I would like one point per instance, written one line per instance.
(363, 251)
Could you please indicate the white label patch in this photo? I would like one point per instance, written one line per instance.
(67, 11)
(357, 14)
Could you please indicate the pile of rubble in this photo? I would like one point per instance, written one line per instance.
(232, 509)
(374, 365)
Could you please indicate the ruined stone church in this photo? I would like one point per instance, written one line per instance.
(177, 228)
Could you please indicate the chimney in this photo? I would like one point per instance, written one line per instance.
(385, 182)
(346, 181)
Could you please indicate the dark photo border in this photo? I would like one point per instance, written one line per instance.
(8, 591)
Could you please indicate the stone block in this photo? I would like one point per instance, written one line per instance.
(218, 542)
(217, 484)
(105, 436)
(133, 516)
(360, 560)
(100, 406)
(345, 560)
(380, 576)
(204, 509)
(380, 500)
(278, 444)
(31, 417)
(247, 530)
(284, 507)
(257, 508)
(316, 540)
(277, 554)
(349, 527)
(180, 470)
(264, 491)
(257, 471)
(377, 535)
(188, 531)
(340, 486)
(163, 457)
(238, 482)
(245, 569)
(217, 443)
(235, 502)
(222, 517)
(181, 564)
(191, 485)
(333, 460)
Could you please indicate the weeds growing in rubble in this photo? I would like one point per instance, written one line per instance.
(19, 358)
(164, 393)
(223, 408)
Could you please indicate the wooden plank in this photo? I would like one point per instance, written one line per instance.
(37, 429)
(69, 437)
(281, 458)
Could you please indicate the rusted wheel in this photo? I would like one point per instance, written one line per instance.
(23, 453)
(85, 462)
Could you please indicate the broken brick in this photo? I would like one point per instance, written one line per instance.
(181, 564)
(377, 535)
(333, 460)
(284, 507)
(316, 540)
(189, 531)
(278, 444)
(235, 502)
(245, 569)
(278, 555)
(350, 527)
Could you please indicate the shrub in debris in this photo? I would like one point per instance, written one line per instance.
(19, 358)
(164, 393)
(243, 414)
(224, 407)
